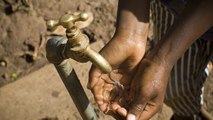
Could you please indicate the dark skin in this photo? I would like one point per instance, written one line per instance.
(131, 34)
(144, 78)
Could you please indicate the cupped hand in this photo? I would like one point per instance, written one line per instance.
(111, 91)
(148, 85)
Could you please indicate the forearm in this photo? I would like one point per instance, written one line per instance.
(196, 19)
(133, 17)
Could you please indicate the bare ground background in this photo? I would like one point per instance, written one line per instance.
(22, 51)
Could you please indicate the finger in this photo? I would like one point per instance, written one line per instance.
(97, 91)
(94, 75)
(149, 111)
(122, 111)
(116, 108)
(137, 107)
(99, 99)
(104, 107)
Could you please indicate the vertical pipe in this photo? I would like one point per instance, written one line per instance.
(75, 90)
(54, 47)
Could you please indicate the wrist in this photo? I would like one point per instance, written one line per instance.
(137, 29)
(133, 18)
(155, 68)
(166, 52)
(155, 57)
(135, 34)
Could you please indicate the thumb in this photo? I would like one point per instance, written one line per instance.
(136, 108)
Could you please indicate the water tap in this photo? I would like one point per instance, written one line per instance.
(77, 45)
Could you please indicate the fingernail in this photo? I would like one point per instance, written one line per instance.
(130, 117)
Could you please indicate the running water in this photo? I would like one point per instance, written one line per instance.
(118, 84)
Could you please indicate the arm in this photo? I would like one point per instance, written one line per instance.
(130, 36)
(124, 51)
(133, 17)
(154, 70)
(131, 29)
(196, 19)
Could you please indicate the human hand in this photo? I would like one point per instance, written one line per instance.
(123, 52)
(148, 85)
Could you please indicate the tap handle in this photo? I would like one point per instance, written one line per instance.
(67, 20)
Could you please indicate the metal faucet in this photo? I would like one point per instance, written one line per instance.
(77, 46)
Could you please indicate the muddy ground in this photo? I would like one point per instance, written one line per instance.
(23, 34)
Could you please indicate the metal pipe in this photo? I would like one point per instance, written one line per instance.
(54, 48)
(98, 60)
(76, 91)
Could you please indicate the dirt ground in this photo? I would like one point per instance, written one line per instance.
(41, 95)
(23, 30)
(22, 51)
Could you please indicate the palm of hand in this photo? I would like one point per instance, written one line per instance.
(112, 91)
